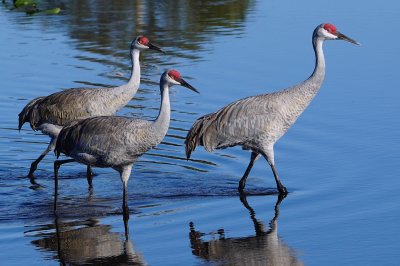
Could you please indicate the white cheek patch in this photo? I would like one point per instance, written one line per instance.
(327, 34)
(172, 81)
(175, 82)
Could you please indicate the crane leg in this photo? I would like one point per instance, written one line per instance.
(125, 208)
(37, 161)
(242, 182)
(89, 176)
(282, 190)
(125, 173)
(268, 154)
(57, 165)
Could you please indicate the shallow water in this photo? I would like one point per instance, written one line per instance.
(339, 161)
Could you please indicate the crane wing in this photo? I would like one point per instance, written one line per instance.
(238, 123)
(59, 108)
(108, 139)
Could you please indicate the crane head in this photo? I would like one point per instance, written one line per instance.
(328, 31)
(173, 77)
(142, 43)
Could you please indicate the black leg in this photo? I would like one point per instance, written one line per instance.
(34, 167)
(125, 208)
(282, 190)
(57, 165)
(125, 172)
(242, 182)
(89, 176)
(37, 161)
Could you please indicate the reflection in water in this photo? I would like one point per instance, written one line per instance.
(87, 242)
(104, 27)
(264, 248)
(185, 25)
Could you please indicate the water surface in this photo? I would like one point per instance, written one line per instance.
(339, 161)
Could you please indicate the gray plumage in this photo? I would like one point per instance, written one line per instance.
(108, 141)
(50, 113)
(115, 141)
(257, 122)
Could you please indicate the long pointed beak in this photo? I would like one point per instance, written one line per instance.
(153, 47)
(187, 85)
(343, 37)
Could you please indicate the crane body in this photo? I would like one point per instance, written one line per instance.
(256, 123)
(114, 141)
(49, 114)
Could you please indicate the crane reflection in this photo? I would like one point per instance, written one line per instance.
(263, 248)
(87, 242)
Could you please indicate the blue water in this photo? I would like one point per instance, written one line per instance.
(339, 160)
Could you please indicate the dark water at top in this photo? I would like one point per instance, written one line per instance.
(339, 161)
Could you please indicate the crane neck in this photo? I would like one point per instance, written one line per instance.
(318, 75)
(163, 118)
(117, 97)
(300, 95)
(309, 88)
(134, 80)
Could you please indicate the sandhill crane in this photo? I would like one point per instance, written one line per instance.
(257, 122)
(50, 113)
(116, 141)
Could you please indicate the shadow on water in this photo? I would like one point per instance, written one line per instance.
(86, 242)
(76, 201)
(263, 248)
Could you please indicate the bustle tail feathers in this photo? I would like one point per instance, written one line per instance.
(199, 134)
